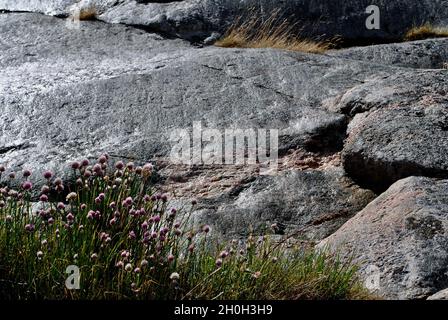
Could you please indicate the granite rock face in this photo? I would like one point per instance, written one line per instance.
(117, 89)
(401, 238)
(399, 128)
(424, 54)
(109, 87)
(351, 123)
(199, 19)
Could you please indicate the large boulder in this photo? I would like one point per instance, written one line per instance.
(400, 240)
(396, 142)
(399, 127)
(198, 19)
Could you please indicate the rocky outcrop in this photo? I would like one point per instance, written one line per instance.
(425, 54)
(399, 128)
(200, 19)
(348, 121)
(402, 235)
(117, 89)
(120, 90)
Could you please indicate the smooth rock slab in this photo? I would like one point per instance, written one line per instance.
(402, 234)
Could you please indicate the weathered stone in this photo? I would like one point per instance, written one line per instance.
(441, 295)
(117, 89)
(198, 19)
(403, 236)
(398, 127)
(425, 54)
(309, 204)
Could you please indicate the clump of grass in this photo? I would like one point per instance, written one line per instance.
(84, 13)
(426, 31)
(255, 32)
(129, 243)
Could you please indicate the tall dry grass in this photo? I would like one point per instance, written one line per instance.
(274, 32)
(425, 31)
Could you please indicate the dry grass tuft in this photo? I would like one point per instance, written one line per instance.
(273, 32)
(425, 31)
(84, 14)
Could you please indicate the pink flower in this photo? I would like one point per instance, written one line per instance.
(102, 159)
(97, 168)
(27, 185)
(130, 166)
(43, 198)
(45, 189)
(75, 165)
(48, 175)
(90, 214)
(144, 263)
(119, 165)
(26, 173)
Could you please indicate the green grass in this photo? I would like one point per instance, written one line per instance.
(38, 241)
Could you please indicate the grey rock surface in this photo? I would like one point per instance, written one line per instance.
(401, 237)
(116, 88)
(441, 295)
(399, 128)
(198, 19)
(424, 54)
(69, 93)
(310, 204)
(348, 121)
